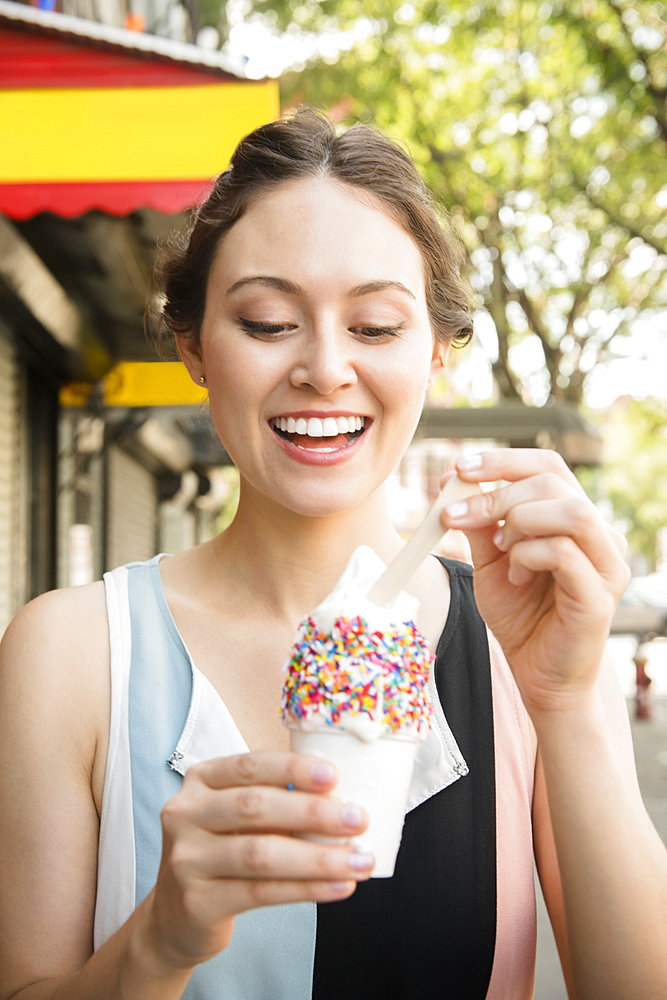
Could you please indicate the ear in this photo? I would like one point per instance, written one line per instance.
(438, 361)
(190, 354)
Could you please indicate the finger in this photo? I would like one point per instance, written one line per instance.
(578, 582)
(229, 896)
(264, 807)
(619, 540)
(514, 464)
(482, 546)
(266, 767)
(571, 516)
(270, 856)
(445, 479)
(581, 516)
(485, 509)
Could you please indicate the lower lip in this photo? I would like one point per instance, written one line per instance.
(314, 456)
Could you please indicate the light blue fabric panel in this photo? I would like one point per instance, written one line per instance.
(272, 952)
(160, 688)
(271, 957)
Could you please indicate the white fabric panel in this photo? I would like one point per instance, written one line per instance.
(116, 865)
(439, 761)
(210, 731)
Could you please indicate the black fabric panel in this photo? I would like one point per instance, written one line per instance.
(429, 932)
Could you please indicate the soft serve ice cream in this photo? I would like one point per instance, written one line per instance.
(357, 666)
(356, 693)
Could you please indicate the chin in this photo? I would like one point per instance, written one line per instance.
(328, 503)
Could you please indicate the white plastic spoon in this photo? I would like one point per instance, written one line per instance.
(385, 590)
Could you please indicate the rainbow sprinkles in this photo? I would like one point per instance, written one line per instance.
(370, 683)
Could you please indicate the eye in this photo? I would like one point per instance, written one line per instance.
(264, 329)
(377, 332)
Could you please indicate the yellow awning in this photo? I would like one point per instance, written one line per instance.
(140, 383)
(128, 133)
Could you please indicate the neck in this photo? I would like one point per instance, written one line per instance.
(288, 561)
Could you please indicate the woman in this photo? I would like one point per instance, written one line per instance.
(316, 286)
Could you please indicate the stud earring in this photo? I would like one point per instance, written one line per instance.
(202, 379)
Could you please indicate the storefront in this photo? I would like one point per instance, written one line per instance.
(108, 137)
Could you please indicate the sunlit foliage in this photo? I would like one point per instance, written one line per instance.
(542, 128)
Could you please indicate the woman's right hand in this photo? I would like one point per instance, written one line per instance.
(228, 846)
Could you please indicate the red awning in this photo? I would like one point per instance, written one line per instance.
(22, 201)
(94, 117)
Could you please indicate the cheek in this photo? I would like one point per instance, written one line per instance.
(406, 382)
(235, 380)
(227, 367)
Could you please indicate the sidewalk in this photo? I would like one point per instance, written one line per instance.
(650, 740)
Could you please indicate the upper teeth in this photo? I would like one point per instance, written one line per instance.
(315, 427)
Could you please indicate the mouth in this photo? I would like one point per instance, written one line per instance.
(322, 434)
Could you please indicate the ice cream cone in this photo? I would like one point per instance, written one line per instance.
(375, 775)
(356, 694)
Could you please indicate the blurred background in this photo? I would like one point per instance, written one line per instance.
(542, 130)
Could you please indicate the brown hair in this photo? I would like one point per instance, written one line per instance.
(306, 145)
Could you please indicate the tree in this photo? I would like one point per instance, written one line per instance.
(627, 43)
(539, 127)
(634, 476)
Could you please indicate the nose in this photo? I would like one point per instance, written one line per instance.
(325, 361)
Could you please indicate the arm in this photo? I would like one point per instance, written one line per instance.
(54, 708)
(546, 859)
(546, 863)
(48, 821)
(548, 574)
(54, 697)
(611, 861)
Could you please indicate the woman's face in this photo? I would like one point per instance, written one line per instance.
(316, 345)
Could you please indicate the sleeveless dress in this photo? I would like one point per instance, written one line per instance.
(456, 921)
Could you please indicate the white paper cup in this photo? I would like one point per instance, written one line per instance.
(373, 775)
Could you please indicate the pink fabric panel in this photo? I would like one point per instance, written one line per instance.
(513, 973)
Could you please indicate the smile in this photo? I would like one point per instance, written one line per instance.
(310, 433)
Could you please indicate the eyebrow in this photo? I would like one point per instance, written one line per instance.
(290, 288)
(282, 284)
(380, 286)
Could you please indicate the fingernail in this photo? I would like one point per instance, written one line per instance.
(351, 815)
(457, 509)
(340, 886)
(470, 462)
(322, 773)
(360, 861)
(498, 538)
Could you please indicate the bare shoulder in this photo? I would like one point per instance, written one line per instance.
(68, 611)
(54, 667)
(58, 634)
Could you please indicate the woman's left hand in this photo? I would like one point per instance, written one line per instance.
(549, 571)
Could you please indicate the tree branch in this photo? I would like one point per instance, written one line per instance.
(658, 94)
(507, 382)
(622, 223)
(580, 299)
